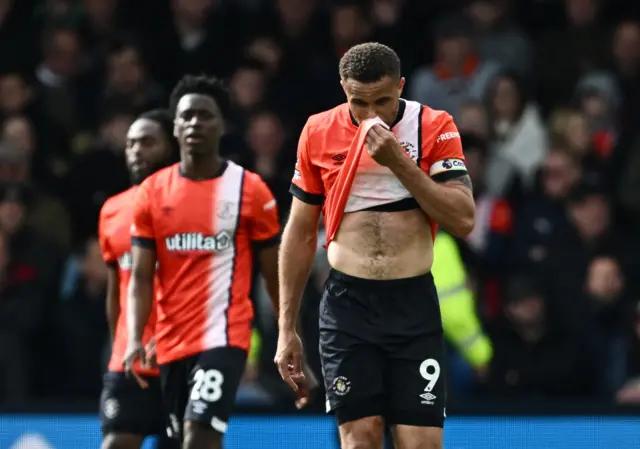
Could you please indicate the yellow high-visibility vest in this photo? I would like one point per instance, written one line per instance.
(457, 306)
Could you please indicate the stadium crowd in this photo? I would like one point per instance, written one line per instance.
(546, 95)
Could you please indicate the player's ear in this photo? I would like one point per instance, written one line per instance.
(344, 88)
(175, 129)
(401, 83)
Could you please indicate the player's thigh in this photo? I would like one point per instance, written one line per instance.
(416, 386)
(128, 411)
(213, 383)
(353, 366)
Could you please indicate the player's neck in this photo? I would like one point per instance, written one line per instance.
(201, 167)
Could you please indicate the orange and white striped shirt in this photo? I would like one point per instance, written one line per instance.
(204, 233)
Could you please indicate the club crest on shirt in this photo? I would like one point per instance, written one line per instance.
(410, 149)
(225, 209)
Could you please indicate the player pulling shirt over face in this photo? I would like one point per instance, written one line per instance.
(381, 342)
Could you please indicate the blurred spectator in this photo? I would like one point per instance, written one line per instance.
(498, 38)
(542, 215)
(249, 87)
(17, 327)
(47, 215)
(128, 84)
(15, 93)
(59, 68)
(607, 294)
(458, 75)
(485, 251)
(268, 145)
(474, 120)
(28, 279)
(535, 357)
(49, 165)
(600, 99)
(591, 233)
(192, 37)
(561, 56)
(626, 70)
(82, 327)
(101, 171)
(519, 137)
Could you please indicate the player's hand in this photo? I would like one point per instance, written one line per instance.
(383, 146)
(134, 353)
(150, 353)
(289, 358)
(307, 387)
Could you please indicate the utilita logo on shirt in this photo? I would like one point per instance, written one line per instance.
(196, 241)
(448, 136)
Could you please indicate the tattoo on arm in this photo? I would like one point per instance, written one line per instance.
(465, 180)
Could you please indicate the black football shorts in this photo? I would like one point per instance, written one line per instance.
(125, 407)
(202, 388)
(382, 350)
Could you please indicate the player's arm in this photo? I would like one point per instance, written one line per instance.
(265, 235)
(300, 236)
(140, 295)
(112, 301)
(445, 193)
(297, 252)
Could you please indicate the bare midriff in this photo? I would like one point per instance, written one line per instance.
(383, 245)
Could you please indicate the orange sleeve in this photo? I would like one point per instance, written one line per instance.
(142, 227)
(105, 248)
(264, 228)
(442, 156)
(306, 184)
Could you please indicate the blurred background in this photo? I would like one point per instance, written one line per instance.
(541, 302)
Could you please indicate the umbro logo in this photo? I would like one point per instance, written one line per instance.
(427, 398)
(339, 159)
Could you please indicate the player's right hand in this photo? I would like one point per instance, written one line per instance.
(150, 353)
(289, 358)
(135, 352)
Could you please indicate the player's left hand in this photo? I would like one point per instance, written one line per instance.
(383, 146)
(307, 386)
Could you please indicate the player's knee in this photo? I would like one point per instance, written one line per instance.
(121, 441)
(365, 433)
(413, 437)
(198, 435)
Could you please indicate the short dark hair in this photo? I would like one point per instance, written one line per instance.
(370, 62)
(165, 120)
(202, 85)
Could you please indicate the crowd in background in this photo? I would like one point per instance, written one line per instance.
(546, 94)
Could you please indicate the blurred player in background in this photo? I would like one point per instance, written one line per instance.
(385, 171)
(130, 406)
(201, 219)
